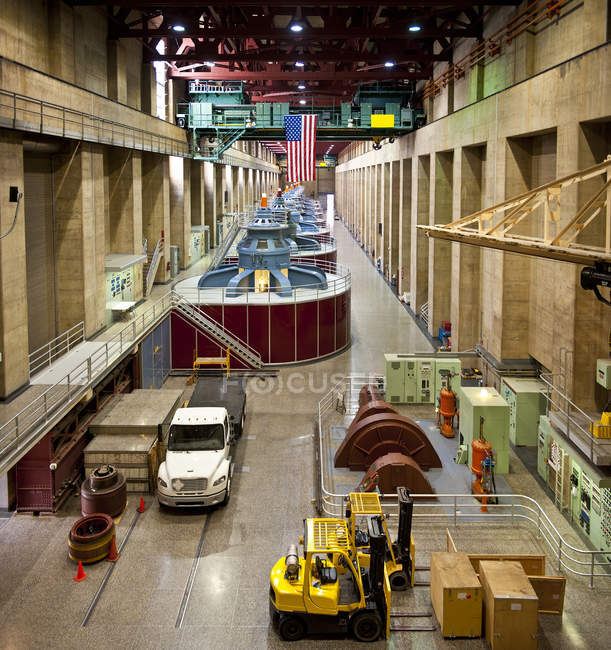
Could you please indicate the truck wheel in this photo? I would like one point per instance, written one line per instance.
(292, 628)
(225, 501)
(366, 626)
(398, 581)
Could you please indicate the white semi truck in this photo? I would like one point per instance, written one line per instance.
(198, 467)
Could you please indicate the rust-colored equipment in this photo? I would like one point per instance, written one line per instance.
(382, 434)
(367, 410)
(393, 470)
(369, 393)
(482, 466)
(447, 407)
(104, 491)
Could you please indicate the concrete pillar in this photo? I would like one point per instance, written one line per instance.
(405, 228)
(124, 200)
(241, 190)
(250, 187)
(468, 193)
(156, 207)
(116, 70)
(419, 265)
(198, 191)
(61, 46)
(148, 87)
(439, 289)
(394, 203)
(14, 367)
(375, 228)
(220, 178)
(209, 196)
(384, 219)
(79, 237)
(180, 207)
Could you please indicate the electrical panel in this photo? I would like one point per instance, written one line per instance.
(590, 486)
(527, 403)
(395, 379)
(425, 381)
(603, 372)
(417, 380)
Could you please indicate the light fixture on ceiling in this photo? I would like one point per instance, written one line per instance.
(301, 87)
(302, 101)
(389, 64)
(299, 64)
(178, 28)
(414, 28)
(296, 27)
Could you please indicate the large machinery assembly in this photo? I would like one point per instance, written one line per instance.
(392, 449)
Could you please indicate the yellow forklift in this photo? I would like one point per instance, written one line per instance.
(400, 555)
(331, 589)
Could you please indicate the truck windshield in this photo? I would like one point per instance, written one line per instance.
(196, 437)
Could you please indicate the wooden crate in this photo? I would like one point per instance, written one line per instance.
(550, 591)
(510, 606)
(456, 595)
(533, 565)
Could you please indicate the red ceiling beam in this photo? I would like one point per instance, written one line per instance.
(384, 74)
(264, 32)
(283, 4)
(329, 54)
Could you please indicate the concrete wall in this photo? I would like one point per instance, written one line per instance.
(550, 125)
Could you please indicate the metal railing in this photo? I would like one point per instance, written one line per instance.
(338, 281)
(575, 424)
(25, 428)
(45, 355)
(424, 313)
(34, 115)
(516, 509)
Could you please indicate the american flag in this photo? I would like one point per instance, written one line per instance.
(301, 146)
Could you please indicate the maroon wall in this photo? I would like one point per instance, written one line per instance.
(281, 333)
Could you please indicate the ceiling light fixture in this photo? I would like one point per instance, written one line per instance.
(299, 64)
(302, 101)
(414, 28)
(389, 64)
(296, 27)
(301, 87)
(178, 28)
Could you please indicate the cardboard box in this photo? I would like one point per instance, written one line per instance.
(510, 606)
(456, 595)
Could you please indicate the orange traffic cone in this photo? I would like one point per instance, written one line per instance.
(113, 554)
(141, 507)
(80, 574)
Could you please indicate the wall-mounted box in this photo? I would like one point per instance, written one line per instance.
(603, 372)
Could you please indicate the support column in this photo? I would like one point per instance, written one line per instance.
(148, 100)
(439, 290)
(405, 228)
(250, 187)
(14, 368)
(384, 219)
(79, 253)
(156, 207)
(241, 190)
(116, 70)
(180, 207)
(61, 47)
(210, 199)
(220, 178)
(124, 198)
(198, 190)
(419, 270)
(394, 207)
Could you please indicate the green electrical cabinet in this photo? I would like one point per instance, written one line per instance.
(346, 113)
(455, 368)
(366, 115)
(279, 111)
(264, 114)
(200, 114)
(527, 403)
(395, 110)
(487, 403)
(395, 379)
(581, 490)
(407, 118)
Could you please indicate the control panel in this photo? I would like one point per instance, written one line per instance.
(605, 518)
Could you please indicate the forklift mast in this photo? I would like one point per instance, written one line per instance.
(406, 510)
(377, 544)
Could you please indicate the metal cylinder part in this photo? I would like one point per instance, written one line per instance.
(292, 560)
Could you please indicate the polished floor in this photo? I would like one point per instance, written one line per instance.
(143, 603)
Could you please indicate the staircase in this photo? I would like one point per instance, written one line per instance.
(224, 140)
(223, 249)
(214, 330)
(150, 268)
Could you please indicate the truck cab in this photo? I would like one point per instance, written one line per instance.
(198, 466)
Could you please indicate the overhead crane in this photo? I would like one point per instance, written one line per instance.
(220, 113)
